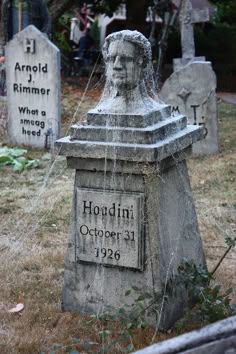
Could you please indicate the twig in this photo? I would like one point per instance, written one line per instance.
(222, 258)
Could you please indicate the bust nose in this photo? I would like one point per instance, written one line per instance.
(117, 63)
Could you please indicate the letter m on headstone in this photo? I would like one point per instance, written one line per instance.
(175, 110)
(29, 45)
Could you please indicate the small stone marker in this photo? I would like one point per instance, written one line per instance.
(33, 89)
(192, 91)
(133, 217)
(187, 18)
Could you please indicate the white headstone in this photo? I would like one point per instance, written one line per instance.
(192, 91)
(33, 89)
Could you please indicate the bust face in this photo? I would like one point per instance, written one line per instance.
(124, 66)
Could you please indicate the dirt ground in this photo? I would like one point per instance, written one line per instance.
(34, 219)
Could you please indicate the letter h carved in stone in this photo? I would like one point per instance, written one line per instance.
(29, 45)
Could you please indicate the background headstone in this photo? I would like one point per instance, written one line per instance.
(187, 18)
(33, 89)
(191, 91)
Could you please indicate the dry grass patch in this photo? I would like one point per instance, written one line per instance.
(35, 214)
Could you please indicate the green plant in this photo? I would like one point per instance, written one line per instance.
(116, 326)
(120, 323)
(207, 304)
(14, 156)
(62, 32)
(210, 302)
(94, 31)
(66, 348)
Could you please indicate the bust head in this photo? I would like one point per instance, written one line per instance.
(130, 85)
(127, 55)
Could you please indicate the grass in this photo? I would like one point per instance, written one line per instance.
(34, 219)
(214, 186)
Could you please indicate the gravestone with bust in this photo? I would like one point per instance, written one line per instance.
(33, 89)
(133, 217)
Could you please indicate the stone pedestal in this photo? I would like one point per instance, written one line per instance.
(133, 217)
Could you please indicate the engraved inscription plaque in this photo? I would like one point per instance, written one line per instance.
(110, 228)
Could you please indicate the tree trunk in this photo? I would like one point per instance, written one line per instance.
(136, 15)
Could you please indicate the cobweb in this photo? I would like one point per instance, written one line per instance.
(14, 243)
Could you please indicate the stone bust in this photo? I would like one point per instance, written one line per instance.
(129, 84)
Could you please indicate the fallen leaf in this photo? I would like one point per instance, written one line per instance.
(18, 308)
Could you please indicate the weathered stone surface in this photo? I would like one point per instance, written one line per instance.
(126, 151)
(217, 338)
(167, 196)
(191, 91)
(179, 63)
(128, 120)
(148, 135)
(129, 84)
(129, 167)
(187, 18)
(133, 218)
(111, 231)
(33, 88)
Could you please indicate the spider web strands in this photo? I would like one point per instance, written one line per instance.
(30, 221)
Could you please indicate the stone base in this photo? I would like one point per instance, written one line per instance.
(165, 231)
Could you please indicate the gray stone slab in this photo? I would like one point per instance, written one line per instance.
(132, 120)
(110, 228)
(130, 167)
(136, 152)
(191, 91)
(217, 338)
(147, 135)
(179, 63)
(33, 88)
